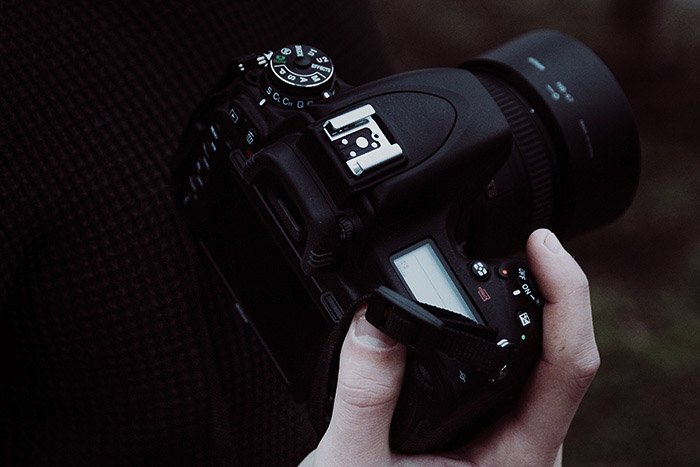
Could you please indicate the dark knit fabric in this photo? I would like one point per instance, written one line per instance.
(119, 345)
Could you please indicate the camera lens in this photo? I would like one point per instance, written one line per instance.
(575, 158)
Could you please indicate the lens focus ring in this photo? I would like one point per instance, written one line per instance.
(531, 145)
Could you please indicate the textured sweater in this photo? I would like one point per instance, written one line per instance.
(119, 344)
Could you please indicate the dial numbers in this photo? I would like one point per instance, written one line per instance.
(302, 66)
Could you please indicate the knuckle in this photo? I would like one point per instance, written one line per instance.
(576, 373)
(364, 392)
(583, 370)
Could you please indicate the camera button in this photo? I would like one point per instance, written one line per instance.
(234, 114)
(504, 272)
(251, 137)
(209, 149)
(189, 199)
(524, 320)
(479, 270)
(193, 184)
(214, 130)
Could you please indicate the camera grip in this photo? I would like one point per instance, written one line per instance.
(460, 373)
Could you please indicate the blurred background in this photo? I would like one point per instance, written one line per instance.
(644, 269)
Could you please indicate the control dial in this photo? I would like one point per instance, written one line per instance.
(298, 75)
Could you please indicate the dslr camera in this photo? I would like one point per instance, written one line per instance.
(410, 193)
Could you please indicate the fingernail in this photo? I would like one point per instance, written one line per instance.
(552, 243)
(370, 336)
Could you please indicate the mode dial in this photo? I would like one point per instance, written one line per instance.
(298, 75)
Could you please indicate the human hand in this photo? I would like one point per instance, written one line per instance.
(372, 368)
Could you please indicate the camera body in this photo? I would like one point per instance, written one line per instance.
(307, 193)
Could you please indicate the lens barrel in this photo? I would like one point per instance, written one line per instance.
(574, 136)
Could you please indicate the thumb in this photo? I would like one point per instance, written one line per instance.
(369, 382)
(567, 364)
(568, 325)
(569, 357)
